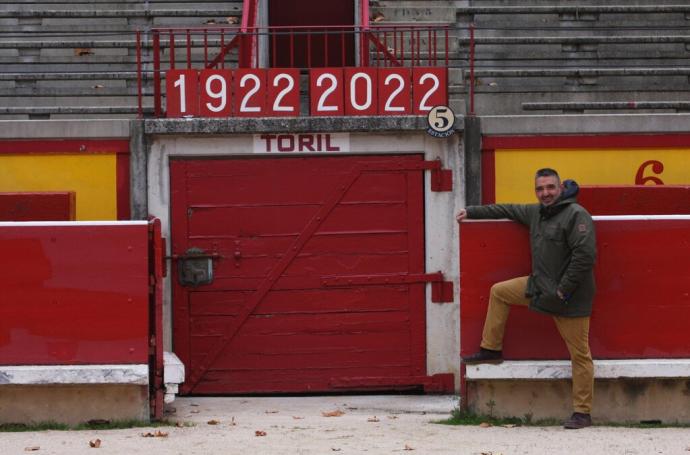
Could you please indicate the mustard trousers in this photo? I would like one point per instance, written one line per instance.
(574, 331)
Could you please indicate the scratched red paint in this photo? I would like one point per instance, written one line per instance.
(641, 307)
(37, 206)
(74, 295)
(638, 200)
(302, 335)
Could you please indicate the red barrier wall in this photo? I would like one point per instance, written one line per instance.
(39, 206)
(642, 306)
(635, 199)
(74, 293)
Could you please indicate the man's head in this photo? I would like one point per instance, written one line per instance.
(547, 186)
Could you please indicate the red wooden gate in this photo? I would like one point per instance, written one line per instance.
(318, 273)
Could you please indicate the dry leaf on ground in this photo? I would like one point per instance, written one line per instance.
(373, 419)
(509, 425)
(32, 448)
(297, 417)
(195, 411)
(179, 424)
(213, 422)
(96, 443)
(392, 417)
(335, 449)
(485, 425)
(271, 412)
(157, 434)
(336, 413)
(232, 422)
(408, 447)
(259, 433)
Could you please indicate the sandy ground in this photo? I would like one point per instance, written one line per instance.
(359, 424)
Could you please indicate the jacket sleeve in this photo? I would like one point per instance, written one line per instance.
(582, 242)
(515, 212)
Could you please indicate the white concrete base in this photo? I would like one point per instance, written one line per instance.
(560, 369)
(137, 374)
(173, 375)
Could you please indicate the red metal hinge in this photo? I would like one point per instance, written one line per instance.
(441, 179)
(441, 291)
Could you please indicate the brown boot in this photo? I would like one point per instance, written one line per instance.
(484, 356)
(578, 420)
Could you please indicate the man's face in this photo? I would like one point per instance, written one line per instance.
(548, 189)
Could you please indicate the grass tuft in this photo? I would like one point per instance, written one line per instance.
(91, 425)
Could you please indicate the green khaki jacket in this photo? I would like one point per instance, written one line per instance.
(563, 248)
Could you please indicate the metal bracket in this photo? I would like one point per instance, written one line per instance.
(441, 291)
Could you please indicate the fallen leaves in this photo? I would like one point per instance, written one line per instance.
(213, 422)
(32, 448)
(408, 447)
(232, 422)
(157, 434)
(373, 419)
(336, 413)
(259, 433)
(95, 444)
(271, 412)
(485, 425)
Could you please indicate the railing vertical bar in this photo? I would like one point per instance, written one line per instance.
(412, 47)
(385, 48)
(471, 69)
(325, 48)
(447, 44)
(171, 47)
(308, 48)
(205, 48)
(156, 74)
(189, 50)
(342, 47)
(428, 46)
(274, 57)
(292, 48)
(139, 76)
(222, 46)
(402, 47)
(435, 49)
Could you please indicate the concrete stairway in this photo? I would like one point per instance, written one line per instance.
(70, 59)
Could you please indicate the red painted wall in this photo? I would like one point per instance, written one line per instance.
(635, 199)
(641, 309)
(39, 206)
(74, 293)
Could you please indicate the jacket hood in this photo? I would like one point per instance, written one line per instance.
(570, 189)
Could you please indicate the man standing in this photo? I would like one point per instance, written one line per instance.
(563, 250)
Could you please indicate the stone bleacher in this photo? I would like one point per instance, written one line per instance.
(71, 59)
(78, 58)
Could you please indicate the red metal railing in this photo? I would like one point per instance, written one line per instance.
(303, 47)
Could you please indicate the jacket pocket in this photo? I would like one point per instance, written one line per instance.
(545, 294)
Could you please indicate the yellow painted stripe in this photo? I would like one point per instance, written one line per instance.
(515, 168)
(92, 177)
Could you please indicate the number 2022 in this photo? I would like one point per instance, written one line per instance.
(333, 91)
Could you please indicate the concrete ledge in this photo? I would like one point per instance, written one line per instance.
(560, 369)
(74, 374)
(289, 125)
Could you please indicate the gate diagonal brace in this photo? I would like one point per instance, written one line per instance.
(441, 291)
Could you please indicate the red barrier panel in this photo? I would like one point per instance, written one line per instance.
(635, 199)
(44, 206)
(642, 305)
(74, 293)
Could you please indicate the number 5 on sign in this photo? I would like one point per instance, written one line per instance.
(182, 93)
(429, 89)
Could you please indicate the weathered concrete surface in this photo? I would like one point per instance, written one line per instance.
(72, 404)
(615, 400)
(289, 125)
(59, 129)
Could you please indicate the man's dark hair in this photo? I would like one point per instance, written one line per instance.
(547, 172)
